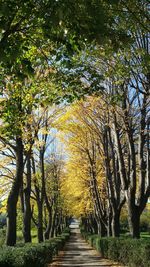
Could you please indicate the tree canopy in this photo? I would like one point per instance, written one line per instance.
(79, 69)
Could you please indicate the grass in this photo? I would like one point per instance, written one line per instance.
(33, 234)
(19, 236)
(145, 234)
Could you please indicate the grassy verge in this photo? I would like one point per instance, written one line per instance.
(145, 235)
(33, 234)
(19, 236)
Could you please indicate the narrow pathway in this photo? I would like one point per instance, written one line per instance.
(78, 253)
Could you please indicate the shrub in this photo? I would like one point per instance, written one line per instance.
(2, 236)
(2, 220)
(145, 222)
(131, 252)
(32, 255)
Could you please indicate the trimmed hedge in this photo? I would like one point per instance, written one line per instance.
(32, 255)
(130, 252)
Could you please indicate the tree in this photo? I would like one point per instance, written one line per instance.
(83, 143)
(97, 116)
(12, 136)
(18, 101)
(32, 77)
(129, 91)
(41, 150)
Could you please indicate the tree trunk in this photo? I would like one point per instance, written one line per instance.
(109, 230)
(49, 225)
(40, 222)
(27, 205)
(94, 224)
(60, 223)
(101, 229)
(115, 225)
(40, 200)
(134, 222)
(57, 226)
(53, 225)
(13, 196)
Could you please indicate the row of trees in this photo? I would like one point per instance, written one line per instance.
(113, 131)
(101, 172)
(29, 161)
(46, 58)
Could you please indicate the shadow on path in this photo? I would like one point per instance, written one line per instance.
(78, 253)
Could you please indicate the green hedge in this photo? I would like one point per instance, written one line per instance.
(32, 255)
(130, 252)
(2, 236)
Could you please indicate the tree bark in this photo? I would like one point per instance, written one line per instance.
(52, 234)
(113, 183)
(27, 205)
(115, 225)
(13, 196)
(40, 222)
(101, 229)
(134, 222)
(49, 225)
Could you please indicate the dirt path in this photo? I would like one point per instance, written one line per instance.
(78, 253)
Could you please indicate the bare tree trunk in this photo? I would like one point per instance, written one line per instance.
(94, 224)
(39, 205)
(109, 219)
(13, 196)
(40, 221)
(27, 204)
(42, 197)
(113, 184)
(136, 193)
(52, 234)
(101, 229)
(134, 221)
(115, 225)
(49, 224)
